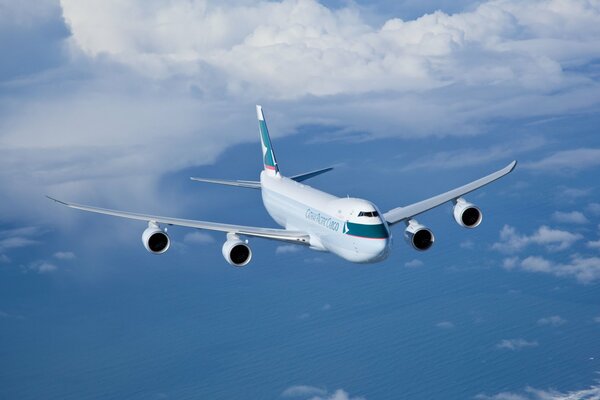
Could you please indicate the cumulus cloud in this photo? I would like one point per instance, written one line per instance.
(573, 217)
(585, 269)
(552, 239)
(42, 267)
(64, 255)
(554, 320)
(140, 84)
(198, 237)
(314, 393)
(416, 263)
(287, 249)
(593, 244)
(445, 325)
(594, 208)
(591, 393)
(516, 344)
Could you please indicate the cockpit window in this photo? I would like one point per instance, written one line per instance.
(368, 214)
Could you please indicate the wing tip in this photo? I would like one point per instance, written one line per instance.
(259, 113)
(512, 166)
(56, 200)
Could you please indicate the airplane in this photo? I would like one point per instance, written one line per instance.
(351, 228)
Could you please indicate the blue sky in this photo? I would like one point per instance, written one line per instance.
(116, 104)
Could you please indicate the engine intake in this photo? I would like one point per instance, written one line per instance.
(236, 251)
(419, 236)
(155, 240)
(466, 214)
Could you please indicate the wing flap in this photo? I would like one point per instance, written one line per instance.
(403, 213)
(267, 233)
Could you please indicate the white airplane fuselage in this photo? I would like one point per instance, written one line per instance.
(349, 227)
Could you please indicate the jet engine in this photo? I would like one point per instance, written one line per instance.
(155, 239)
(236, 251)
(419, 236)
(467, 214)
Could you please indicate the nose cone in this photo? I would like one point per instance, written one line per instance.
(372, 250)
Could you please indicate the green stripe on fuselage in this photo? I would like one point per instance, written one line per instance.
(378, 231)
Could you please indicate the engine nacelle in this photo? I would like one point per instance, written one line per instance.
(236, 251)
(466, 214)
(419, 236)
(155, 240)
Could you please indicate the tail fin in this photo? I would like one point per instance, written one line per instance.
(269, 161)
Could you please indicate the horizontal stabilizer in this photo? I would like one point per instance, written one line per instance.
(246, 184)
(308, 175)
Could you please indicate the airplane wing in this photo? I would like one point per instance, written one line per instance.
(267, 233)
(246, 184)
(404, 213)
(256, 184)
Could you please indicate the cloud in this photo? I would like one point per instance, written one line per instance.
(516, 344)
(42, 267)
(594, 208)
(593, 244)
(585, 269)
(573, 217)
(567, 160)
(552, 239)
(18, 237)
(445, 325)
(197, 237)
(475, 156)
(287, 249)
(416, 263)
(597, 319)
(467, 244)
(303, 390)
(591, 393)
(119, 107)
(314, 393)
(64, 255)
(326, 307)
(554, 320)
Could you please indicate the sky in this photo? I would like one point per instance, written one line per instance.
(118, 103)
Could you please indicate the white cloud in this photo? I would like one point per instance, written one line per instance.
(585, 269)
(445, 325)
(573, 217)
(326, 307)
(591, 393)
(568, 160)
(552, 239)
(516, 344)
(198, 237)
(554, 320)
(597, 319)
(4, 259)
(287, 249)
(593, 244)
(467, 244)
(314, 393)
(594, 208)
(303, 390)
(42, 267)
(65, 255)
(154, 81)
(475, 156)
(416, 263)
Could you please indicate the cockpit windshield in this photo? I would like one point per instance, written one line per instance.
(368, 214)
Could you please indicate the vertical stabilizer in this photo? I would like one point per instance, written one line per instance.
(269, 161)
